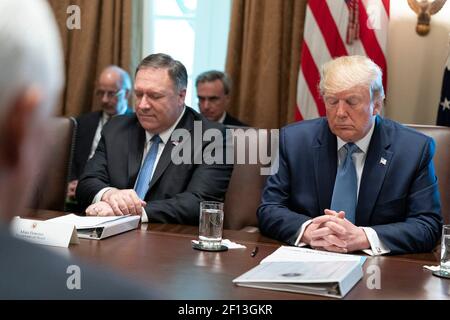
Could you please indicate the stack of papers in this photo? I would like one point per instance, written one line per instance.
(304, 270)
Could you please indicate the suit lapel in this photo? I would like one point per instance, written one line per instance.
(325, 166)
(93, 124)
(135, 152)
(186, 122)
(375, 167)
(87, 134)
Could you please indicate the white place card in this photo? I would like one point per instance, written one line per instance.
(44, 232)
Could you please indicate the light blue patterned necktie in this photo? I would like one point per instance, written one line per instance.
(346, 185)
(145, 174)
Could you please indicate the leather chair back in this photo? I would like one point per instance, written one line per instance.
(51, 186)
(441, 136)
(246, 184)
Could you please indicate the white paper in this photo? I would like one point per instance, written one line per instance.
(307, 272)
(432, 268)
(292, 254)
(82, 222)
(227, 243)
(232, 245)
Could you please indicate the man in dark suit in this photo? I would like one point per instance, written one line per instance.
(213, 92)
(31, 80)
(112, 91)
(353, 180)
(120, 178)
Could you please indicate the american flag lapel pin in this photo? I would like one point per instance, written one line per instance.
(383, 161)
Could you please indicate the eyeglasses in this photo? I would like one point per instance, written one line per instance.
(109, 94)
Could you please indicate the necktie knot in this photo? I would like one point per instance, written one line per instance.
(351, 148)
(156, 139)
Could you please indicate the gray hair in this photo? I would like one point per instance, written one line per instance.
(30, 52)
(214, 75)
(346, 72)
(177, 71)
(124, 76)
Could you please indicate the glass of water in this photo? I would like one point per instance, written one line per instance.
(445, 250)
(211, 224)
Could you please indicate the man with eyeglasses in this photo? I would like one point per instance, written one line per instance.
(112, 92)
(213, 93)
(353, 180)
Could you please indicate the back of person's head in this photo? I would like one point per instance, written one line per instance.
(31, 78)
(346, 72)
(213, 75)
(177, 71)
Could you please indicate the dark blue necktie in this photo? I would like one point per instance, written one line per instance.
(346, 185)
(145, 174)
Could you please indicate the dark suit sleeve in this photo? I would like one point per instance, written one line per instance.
(276, 220)
(95, 176)
(421, 229)
(208, 182)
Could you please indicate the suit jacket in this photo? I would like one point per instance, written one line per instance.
(175, 190)
(34, 272)
(232, 121)
(86, 127)
(398, 199)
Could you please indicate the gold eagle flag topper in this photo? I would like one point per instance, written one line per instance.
(425, 9)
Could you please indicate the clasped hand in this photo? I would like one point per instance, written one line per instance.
(332, 232)
(117, 202)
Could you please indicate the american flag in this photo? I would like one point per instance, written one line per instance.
(443, 118)
(335, 28)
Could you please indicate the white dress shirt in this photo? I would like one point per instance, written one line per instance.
(222, 118)
(359, 158)
(98, 133)
(165, 136)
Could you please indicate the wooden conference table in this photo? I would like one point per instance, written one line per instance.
(162, 256)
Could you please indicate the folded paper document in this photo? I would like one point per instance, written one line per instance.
(305, 271)
(99, 227)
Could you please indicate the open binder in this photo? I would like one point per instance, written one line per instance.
(305, 271)
(99, 227)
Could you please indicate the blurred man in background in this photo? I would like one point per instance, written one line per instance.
(113, 90)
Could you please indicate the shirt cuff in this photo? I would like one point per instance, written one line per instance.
(144, 218)
(99, 195)
(302, 230)
(377, 247)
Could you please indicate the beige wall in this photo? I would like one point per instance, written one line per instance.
(415, 64)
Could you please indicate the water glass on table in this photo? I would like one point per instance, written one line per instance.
(211, 224)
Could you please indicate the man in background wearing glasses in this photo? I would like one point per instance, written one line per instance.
(112, 93)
